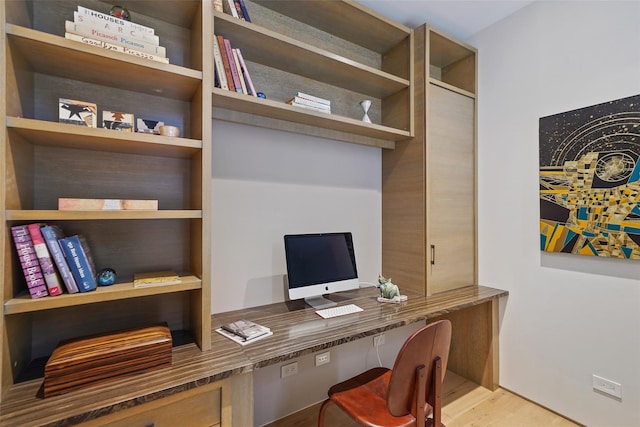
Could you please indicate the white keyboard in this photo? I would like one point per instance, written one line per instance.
(340, 310)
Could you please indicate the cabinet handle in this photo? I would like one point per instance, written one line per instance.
(433, 254)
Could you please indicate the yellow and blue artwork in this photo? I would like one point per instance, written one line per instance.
(590, 180)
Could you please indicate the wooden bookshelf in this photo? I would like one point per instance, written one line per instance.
(336, 50)
(44, 160)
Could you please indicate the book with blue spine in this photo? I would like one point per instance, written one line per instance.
(52, 234)
(79, 262)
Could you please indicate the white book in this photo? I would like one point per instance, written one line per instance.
(297, 100)
(115, 48)
(313, 98)
(110, 27)
(217, 57)
(131, 43)
(108, 18)
(230, 8)
(309, 107)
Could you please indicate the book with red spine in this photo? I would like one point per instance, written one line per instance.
(54, 286)
(225, 63)
(219, 64)
(29, 261)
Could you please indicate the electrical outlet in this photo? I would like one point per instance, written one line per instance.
(323, 358)
(378, 340)
(288, 370)
(607, 386)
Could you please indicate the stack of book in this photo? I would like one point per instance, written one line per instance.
(304, 100)
(114, 34)
(244, 331)
(231, 71)
(235, 8)
(50, 260)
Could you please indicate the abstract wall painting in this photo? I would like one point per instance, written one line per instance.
(590, 180)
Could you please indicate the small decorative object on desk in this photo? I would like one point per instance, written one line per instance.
(366, 104)
(388, 291)
(244, 331)
(120, 12)
(106, 277)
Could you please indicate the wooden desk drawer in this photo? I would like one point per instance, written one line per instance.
(194, 408)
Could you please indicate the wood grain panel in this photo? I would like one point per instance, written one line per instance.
(451, 172)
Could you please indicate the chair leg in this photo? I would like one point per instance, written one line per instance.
(437, 388)
(420, 394)
(323, 408)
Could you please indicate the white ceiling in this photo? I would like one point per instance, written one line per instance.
(458, 18)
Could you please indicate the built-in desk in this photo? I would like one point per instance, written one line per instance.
(224, 373)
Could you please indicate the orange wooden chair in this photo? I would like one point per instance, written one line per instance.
(404, 395)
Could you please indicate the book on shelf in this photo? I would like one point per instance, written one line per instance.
(239, 70)
(54, 285)
(225, 63)
(217, 6)
(313, 98)
(232, 65)
(219, 65)
(29, 261)
(80, 262)
(114, 28)
(77, 204)
(243, 8)
(245, 74)
(117, 39)
(229, 8)
(115, 48)
(309, 107)
(52, 234)
(156, 278)
(114, 20)
(244, 331)
(296, 100)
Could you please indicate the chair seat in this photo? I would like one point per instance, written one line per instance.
(366, 396)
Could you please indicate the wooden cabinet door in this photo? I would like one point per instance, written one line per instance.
(451, 189)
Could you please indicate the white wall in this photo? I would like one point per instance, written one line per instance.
(567, 317)
(267, 184)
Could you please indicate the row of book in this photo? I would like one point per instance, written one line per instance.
(114, 34)
(50, 260)
(231, 71)
(310, 102)
(235, 8)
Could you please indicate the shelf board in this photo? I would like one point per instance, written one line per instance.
(347, 20)
(56, 215)
(278, 110)
(42, 132)
(54, 55)
(274, 50)
(25, 304)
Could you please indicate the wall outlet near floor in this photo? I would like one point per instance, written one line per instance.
(288, 370)
(323, 358)
(378, 340)
(607, 386)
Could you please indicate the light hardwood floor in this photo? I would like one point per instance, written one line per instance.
(465, 404)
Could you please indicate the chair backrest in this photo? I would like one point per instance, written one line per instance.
(423, 347)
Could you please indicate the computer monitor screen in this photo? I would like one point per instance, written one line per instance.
(319, 264)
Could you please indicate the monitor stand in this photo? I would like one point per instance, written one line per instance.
(319, 301)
